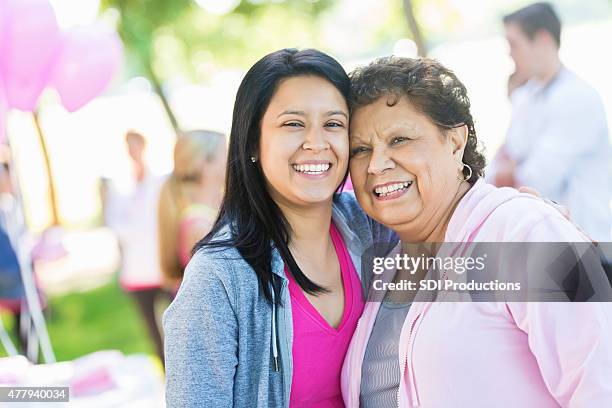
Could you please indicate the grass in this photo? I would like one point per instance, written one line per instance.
(99, 319)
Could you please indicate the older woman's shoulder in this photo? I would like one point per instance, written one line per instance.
(527, 205)
(524, 217)
(348, 215)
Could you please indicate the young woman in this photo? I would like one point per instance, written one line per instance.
(271, 298)
(189, 199)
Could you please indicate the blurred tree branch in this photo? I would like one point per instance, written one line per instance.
(138, 22)
(55, 218)
(198, 36)
(414, 27)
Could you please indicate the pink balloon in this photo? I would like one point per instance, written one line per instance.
(3, 29)
(3, 104)
(3, 115)
(88, 60)
(28, 47)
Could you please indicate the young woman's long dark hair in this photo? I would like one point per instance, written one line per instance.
(256, 223)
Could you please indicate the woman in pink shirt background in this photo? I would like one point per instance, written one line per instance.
(189, 199)
(416, 169)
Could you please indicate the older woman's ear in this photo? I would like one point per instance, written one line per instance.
(458, 139)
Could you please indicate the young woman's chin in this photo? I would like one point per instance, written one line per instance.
(309, 191)
(314, 195)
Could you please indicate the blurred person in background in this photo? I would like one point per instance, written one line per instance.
(14, 236)
(189, 200)
(131, 212)
(557, 141)
(12, 291)
(9, 209)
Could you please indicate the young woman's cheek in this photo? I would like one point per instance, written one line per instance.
(275, 147)
(341, 147)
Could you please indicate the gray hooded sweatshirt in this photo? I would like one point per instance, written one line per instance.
(225, 345)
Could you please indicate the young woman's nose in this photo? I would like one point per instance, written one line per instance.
(315, 140)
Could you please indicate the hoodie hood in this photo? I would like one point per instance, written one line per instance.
(476, 207)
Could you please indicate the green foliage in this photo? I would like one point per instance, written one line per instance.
(141, 18)
(179, 38)
(310, 7)
(104, 318)
(395, 27)
(238, 39)
(100, 319)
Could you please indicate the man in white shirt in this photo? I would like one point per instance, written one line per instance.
(557, 141)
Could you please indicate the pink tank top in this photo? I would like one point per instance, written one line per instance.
(318, 348)
(193, 215)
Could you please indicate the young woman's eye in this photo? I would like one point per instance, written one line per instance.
(293, 124)
(335, 124)
(359, 150)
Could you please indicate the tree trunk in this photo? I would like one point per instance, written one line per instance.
(157, 86)
(414, 28)
(145, 58)
(50, 179)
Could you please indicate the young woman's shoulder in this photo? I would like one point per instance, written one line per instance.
(350, 218)
(201, 327)
(347, 204)
(348, 214)
(214, 272)
(223, 263)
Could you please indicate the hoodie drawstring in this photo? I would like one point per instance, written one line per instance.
(274, 332)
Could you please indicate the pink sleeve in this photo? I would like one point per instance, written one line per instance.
(184, 251)
(572, 342)
(191, 230)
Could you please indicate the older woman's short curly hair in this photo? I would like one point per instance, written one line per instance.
(430, 87)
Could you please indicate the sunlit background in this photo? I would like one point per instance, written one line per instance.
(194, 54)
(201, 55)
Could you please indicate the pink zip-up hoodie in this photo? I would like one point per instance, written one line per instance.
(498, 354)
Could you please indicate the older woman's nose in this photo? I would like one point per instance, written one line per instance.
(380, 162)
(315, 140)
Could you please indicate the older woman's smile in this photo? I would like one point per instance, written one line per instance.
(391, 190)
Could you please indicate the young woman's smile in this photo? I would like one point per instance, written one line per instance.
(313, 168)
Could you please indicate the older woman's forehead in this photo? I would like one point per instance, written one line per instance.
(379, 121)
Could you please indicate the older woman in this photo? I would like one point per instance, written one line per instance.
(416, 169)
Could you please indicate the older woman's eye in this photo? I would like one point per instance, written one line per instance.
(359, 150)
(399, 139)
